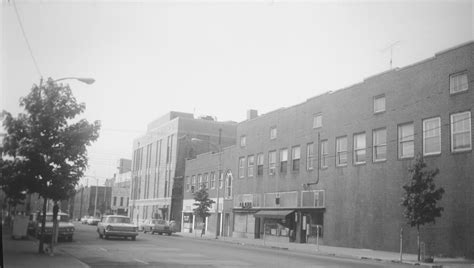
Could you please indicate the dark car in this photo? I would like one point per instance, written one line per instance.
(66, 227)
(157, 226)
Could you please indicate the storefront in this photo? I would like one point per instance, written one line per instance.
(276, 225)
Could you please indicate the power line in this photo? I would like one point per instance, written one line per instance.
(26, 39)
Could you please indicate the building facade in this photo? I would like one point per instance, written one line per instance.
(92, 201)
(120, 184)
(158, 162)
(333, 167)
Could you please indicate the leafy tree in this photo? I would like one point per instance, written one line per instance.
(48, 144)
(202, 204)
(421, 196)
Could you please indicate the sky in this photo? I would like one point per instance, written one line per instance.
(216, 58)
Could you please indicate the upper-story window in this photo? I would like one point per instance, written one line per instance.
(243, 141)
(188, 184)
(251, 164)
(273, 133)
(324, 154)
(310, 156)
(241, 167)
(360, 148)
(406, 141)
(193, 182)
(205, 181)
(380, 144)
(283, 160)
(271, 162)
(458, 82)
(461, 132)
(260, 160)
(200, 182)
(379, 104)
(341, 151)
(317, 120)
(432, 136)
(295, 157)
(212, 180)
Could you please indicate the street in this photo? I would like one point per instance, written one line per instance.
(176, 251)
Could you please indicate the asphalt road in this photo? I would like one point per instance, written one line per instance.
(176, 251)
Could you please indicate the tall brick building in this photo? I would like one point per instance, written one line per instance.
(159, 160)
(335, 164)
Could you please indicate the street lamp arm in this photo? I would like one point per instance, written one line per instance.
(85, 80)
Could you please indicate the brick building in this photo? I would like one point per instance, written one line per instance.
(335, 164)
(159, 158)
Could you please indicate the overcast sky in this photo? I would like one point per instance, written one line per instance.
(216, 58)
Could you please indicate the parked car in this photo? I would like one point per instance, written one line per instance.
(66, 227)
(93, 221)
(84, 219)
(157, 226)
(117, 225)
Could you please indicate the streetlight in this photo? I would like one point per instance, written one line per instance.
(219, 151)
(86, 80)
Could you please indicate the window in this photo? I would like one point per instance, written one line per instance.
(205, 181)
(324, 154)
(121, 201)
(341, 151)
(271, 162)
(406, 144)
(221, 179)
(241, 167)
(127, 201)
(115, 201)
(458, 82)
(199, 179)
(317, 120)
(295, 157)
(228, 188)
(359, 148)
(310, 156)
(379, 104)
(188, 184)
(380, 144)
(251, 164)
(432, 136)
(212, 181)
(243, 140)
(193, 182)
(273, 133)
(461, 132)
(283, 160)
(260, 160)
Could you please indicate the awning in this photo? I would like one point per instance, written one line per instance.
(278, 214)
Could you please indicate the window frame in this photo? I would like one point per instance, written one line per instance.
(272, 166)
(324, 154)
(339, 153)
(438, 118)
(243, 141)
(375, 99)
(242, 167)
(310, 156)
(317, 123)
(458, 74)
(250, 168)
(357, 149)
(469, 129)
(212, 180)
(400, 142)
(273, 133)
(283, 164)
(262, 163)
(295, 162)
(375, 146)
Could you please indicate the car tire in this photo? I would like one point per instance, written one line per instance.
(168, 234)
(134, 238)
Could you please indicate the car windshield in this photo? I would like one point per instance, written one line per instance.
(159, 221)
(61, 218)
(118, 220)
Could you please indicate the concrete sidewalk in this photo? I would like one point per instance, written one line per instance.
(354, 253)
(24, 253)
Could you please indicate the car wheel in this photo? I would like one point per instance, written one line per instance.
(134, 238)
(168, 234)
(144, 231)
(160, 233)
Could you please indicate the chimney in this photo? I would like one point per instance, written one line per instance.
(251, 114)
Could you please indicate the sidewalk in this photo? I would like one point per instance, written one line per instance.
(353, 253)
(24, 253)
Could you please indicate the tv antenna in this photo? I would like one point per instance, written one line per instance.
(391, 46)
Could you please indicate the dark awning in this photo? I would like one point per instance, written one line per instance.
(279, 214)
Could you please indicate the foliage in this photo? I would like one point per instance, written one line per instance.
(202, 203)
(421, 195)
(13, 178)
(50, 148)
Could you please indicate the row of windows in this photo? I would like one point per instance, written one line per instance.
(458, 82)
(121, 201)
(461, 140)
(209, 182)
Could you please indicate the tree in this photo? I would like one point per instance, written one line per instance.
(421, 196)
(202, 204)
(49, 144)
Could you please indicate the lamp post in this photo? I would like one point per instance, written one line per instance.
(219, 151)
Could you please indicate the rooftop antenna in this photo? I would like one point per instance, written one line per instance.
(391, 46)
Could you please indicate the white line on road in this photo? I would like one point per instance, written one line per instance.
(144, 262)
(103, 249)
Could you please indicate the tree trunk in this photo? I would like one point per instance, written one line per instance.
(43, 223)
(418, 240)
(54, 234)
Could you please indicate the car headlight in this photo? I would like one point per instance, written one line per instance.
(108, 228)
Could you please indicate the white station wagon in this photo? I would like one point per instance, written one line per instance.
(117, 225)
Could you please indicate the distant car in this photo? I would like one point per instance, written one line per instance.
(84, 219)
(93, 221)
(66, 227)
(157, 226)
(117, 225)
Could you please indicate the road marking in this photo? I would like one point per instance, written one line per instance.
(103, 249)
(144, 262)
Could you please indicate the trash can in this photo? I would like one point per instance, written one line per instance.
(20, 227)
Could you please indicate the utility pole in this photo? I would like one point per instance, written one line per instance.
(219, 170)
(96, 192)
